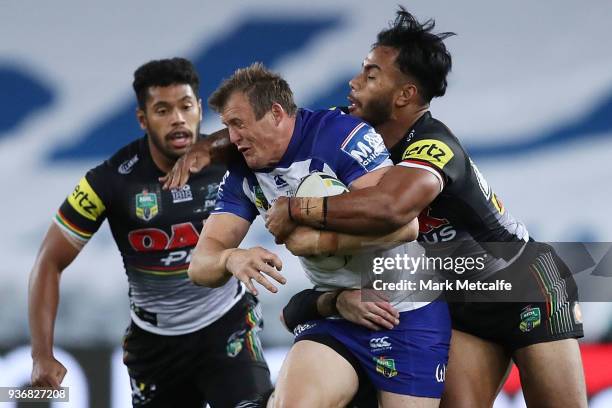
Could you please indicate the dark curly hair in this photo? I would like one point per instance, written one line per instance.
(422, 54)
(164, 72)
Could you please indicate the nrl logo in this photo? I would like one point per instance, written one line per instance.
(385, 366)
(146, 205)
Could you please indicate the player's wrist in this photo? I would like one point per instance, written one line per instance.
(311, 211)
(327, 243)
(326, 304)
(42, 355)
(230, 256)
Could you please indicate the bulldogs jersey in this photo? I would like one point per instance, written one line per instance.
(155, 231)
(328, 141)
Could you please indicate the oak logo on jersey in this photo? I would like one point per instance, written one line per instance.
(85, 201)
(385, 366)
(156, 239)
(432, 151)
(180, 243)
(146, 205)
(365, 146)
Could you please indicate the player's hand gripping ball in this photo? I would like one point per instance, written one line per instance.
(319, 184)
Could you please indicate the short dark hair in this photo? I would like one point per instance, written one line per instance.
(262, 87)
(164, 72)
(422, 54)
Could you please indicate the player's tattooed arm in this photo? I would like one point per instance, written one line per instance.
(306, 241)
(216, 148)
(398, 198)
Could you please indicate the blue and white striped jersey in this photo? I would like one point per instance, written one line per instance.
(340, 145)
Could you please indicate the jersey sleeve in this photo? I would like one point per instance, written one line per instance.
(84, 210)
(358, 148)
(439, 155)
(231, 197)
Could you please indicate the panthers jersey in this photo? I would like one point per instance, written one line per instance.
(155, 231)
(328, 141)
(467, 210)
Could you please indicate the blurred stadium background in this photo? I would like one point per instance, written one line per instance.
(530, 95)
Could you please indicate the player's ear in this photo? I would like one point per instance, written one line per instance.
(142, 118)
(407, 93)
(278, 113)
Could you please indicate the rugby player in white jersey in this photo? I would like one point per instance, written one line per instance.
(281, 145)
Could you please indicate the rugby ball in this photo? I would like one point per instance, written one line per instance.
(319, 184)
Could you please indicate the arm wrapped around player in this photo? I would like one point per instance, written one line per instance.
(306, 241)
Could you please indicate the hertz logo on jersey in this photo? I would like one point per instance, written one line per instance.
(85, 201)
(430, 150)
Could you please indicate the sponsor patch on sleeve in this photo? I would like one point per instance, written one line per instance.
(85, 201)
(431, 151)
(366, 147)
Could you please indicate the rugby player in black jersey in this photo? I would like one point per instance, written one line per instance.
(186, 345)
(436, 180)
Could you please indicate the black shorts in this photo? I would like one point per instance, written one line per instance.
(551, 313)
(221, 364)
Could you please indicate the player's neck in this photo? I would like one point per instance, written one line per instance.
(393, 130)
(285, 135)
(163, 163)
